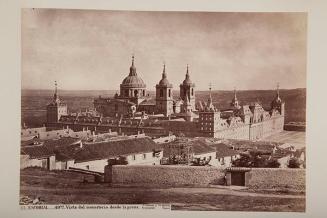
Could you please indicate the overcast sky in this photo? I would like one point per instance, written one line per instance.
(89, 49)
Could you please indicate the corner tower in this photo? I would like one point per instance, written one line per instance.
(164, 95)
(235, 103)
(187, 91)
(277, 103)
(56, 108)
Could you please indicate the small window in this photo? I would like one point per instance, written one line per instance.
(134, 157)
(87, 167)
(161, 93)
(169, 92)
(144, 156)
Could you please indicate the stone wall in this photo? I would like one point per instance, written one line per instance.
(165, 175)
(269, 178)
(256, 178)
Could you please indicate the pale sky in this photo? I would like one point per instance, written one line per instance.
(91, 50)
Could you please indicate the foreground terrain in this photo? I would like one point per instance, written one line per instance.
(62, 187)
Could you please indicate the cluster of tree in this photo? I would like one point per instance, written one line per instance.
(255, 159)
(198, 162)
(294, 163)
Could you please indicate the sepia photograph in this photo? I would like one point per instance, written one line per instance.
(189, 110)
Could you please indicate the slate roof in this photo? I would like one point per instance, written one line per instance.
(224, 151)
(64, 141)
(102, 150)
(201, 147)
(37, 152)
(197, 147)
(150, 101)
(34, 141)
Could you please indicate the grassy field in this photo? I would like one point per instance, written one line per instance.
(33, 102)
(58, 187)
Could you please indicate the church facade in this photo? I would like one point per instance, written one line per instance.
(133, 111)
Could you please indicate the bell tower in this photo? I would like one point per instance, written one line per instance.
(187, 91)
(164, 95)
(277, 103)
(56, 108)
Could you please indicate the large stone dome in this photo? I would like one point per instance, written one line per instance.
(133, 82)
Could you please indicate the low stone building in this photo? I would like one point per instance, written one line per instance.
(37, 156)
(138, 151)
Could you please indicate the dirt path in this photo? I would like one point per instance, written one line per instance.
(224, 191)
(192, 190)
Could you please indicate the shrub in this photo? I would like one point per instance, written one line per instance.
(294, 163)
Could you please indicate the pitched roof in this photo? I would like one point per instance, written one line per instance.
(201, 147)
(63, 156)
(37, 151)
(96, 151)
(150, 101)
(224, 151)
(198, 146)
(64, 141)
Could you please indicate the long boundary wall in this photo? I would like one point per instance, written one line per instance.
(165, 175)
(270, 178)
(256, 178)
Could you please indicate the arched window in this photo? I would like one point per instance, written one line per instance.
(192, 92)
(135, 93)
(143, 92)
(126, 93)
(169, 93)
(161, 93)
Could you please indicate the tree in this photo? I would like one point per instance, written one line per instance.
(273, 163)
(293, 163)
(255, 159)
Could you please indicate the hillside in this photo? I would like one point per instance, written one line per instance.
(33, 102)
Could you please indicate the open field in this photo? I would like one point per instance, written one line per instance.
(65, 187)
(295, 138)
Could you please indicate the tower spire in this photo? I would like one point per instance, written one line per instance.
(133, 60)
(277, 90)
(210, 97)
(132, 69)
(235, 93)
(55, 96)
(164, 75)
(187, 74)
